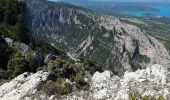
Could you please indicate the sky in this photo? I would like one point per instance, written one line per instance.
(124, 0)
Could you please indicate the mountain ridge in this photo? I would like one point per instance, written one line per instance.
(37, 69)
(105, 39)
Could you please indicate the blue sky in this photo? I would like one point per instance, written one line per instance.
(124, 0)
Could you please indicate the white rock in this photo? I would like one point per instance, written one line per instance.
(150, 81)
(22, 85)
(103, 86)
(155, 75)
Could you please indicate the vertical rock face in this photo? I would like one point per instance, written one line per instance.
(114, 44)
(22, 86)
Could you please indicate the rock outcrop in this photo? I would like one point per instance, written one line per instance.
(23, 85)
(153, 81)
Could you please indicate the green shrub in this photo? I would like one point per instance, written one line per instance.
(5, 51)
(141, 58)
(63, 68)
(161, 98)
(3, 74)
(33, 62)
(60, 87)
(91, 66)
(49, 88)
(135, 95)
(63, 87)
(17, 65)
(42, 46)
(80, 82)
(12, 20)
(52, 66)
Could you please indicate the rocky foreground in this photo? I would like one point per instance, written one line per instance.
(153, 82)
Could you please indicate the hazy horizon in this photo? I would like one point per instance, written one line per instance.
(116, 0)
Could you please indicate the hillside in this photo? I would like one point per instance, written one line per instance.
(58, 51)
(12, 20)
(112, 43)
(18, 56)
(156, 27)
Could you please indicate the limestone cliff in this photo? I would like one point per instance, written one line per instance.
(116, 45)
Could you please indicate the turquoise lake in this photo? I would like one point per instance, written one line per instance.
(164, 11)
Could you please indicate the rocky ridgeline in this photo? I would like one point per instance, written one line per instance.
(153, 81)
(105, 39)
